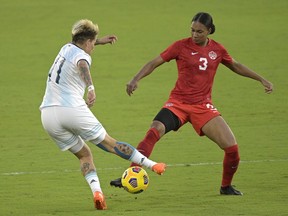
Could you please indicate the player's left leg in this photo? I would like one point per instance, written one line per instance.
(218, 131)
(83, 153)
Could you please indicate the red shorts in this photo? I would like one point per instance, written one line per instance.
(198, 115)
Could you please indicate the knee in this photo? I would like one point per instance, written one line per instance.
(229, 141)
(232, 149)
(225, 140)
(84, 152)
(166, 121)
(159, 126)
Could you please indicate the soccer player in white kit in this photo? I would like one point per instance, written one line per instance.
(66, 116)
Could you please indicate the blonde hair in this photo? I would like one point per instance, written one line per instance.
(83, 30)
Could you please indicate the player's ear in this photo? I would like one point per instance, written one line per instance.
(209, 30)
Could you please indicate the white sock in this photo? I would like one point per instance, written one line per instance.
(93, 181)
(140, 159)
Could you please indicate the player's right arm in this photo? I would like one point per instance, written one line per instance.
(85, 74)
(145, 71)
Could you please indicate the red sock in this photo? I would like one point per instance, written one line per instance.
(230, 164)
(147, 144)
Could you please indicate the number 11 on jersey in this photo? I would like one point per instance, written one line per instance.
(56, 69)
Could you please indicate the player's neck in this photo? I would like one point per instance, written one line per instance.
(204, 43)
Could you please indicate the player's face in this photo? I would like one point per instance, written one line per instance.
(90, 45)
(199, 33)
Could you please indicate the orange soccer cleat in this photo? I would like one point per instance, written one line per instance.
(159, 168)
(99, 201)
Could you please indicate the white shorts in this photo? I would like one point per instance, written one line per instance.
(68, 127)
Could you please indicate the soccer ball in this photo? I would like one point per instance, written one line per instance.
(135, 180)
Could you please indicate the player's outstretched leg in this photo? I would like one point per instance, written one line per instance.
(128, 152)
(145, 147)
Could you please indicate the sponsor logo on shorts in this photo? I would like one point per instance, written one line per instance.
(211, 107)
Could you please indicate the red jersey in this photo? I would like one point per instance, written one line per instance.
(197, 67)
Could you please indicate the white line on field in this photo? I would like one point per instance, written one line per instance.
(169, 165)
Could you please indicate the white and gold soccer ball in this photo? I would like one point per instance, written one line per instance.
(135, 180)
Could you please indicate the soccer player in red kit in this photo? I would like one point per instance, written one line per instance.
(197, 59)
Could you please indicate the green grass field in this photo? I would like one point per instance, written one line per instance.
(37, 179)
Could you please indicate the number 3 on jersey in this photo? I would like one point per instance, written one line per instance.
(56, 69)
(204, 64)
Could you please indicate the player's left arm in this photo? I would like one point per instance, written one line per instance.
(106, 39)
(85, 74)
(243, 70)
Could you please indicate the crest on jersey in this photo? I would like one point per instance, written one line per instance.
(212, 55)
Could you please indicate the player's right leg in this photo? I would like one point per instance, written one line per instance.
(128, 152)
(164, 122)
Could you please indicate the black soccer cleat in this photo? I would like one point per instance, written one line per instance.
(229, 190)
(116, 183)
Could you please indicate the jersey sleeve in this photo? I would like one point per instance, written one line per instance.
(171, 52)
(82, 56)
(226, 58)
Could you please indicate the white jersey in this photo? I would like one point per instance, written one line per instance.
(64, 85)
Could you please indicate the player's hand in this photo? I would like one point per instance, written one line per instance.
(107, 39)
(268, 86)
(131, 87)
(91, 97)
